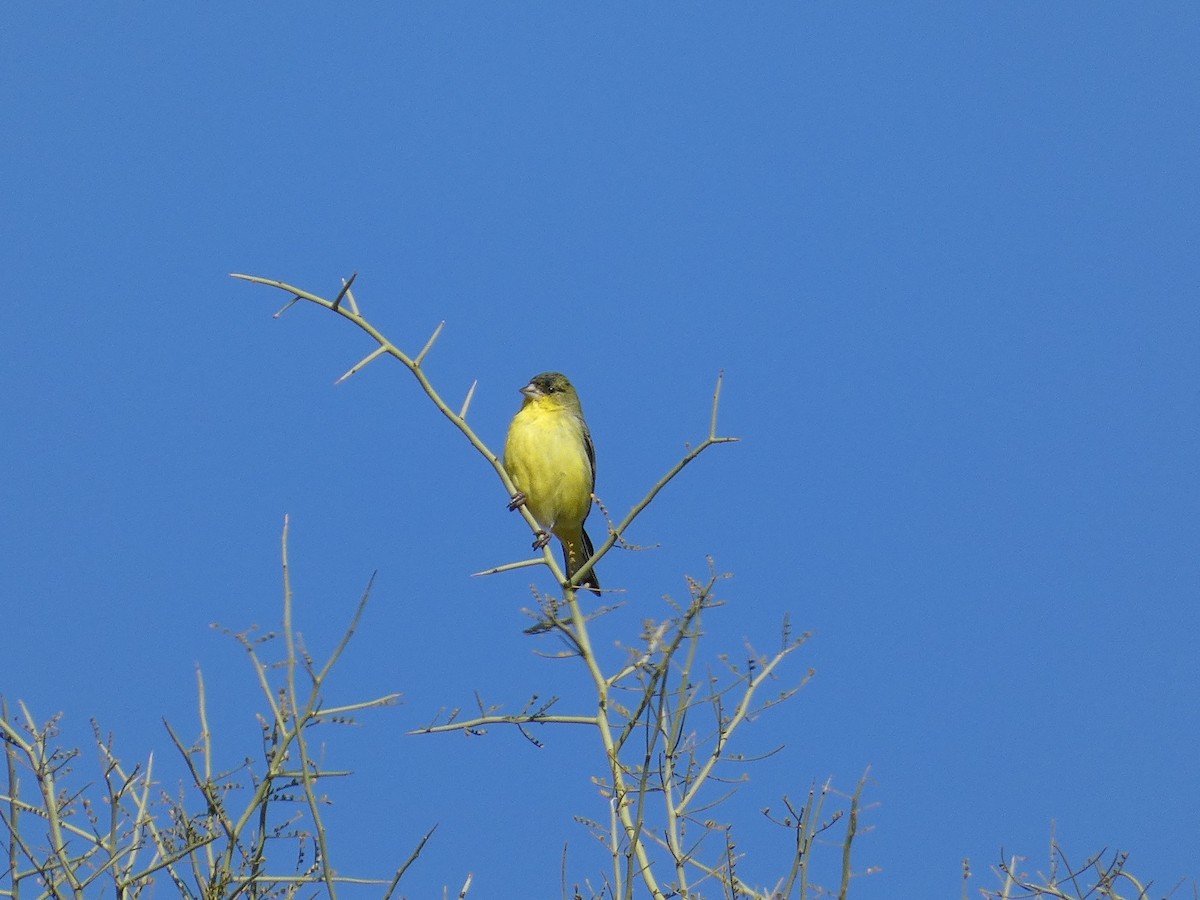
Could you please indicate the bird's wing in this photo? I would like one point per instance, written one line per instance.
(591, 454)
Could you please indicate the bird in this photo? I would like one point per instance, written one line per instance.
(550, 457)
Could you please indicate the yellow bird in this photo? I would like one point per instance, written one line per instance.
(551, 460)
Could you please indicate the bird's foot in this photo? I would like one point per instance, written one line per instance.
(517, 500)
(542, 539)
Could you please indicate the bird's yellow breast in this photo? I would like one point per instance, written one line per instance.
(546, 457)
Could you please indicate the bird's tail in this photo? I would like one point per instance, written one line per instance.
(575, 554)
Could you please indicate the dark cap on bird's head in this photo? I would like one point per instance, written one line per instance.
(547, 383)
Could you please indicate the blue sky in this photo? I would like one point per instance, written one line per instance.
(947, 256)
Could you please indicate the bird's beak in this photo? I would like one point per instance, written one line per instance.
(530, 391)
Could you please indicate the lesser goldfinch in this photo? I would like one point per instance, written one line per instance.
(551, 460)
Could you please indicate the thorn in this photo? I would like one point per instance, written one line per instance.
(429, 343)
(462, 413)
(350, 297)
(371, 357)
(712, 429)
(286, 307)
(337, 301)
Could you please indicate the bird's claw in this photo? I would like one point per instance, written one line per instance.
(518, 499)
(542, 539)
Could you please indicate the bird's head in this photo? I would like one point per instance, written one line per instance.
(551, 389)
